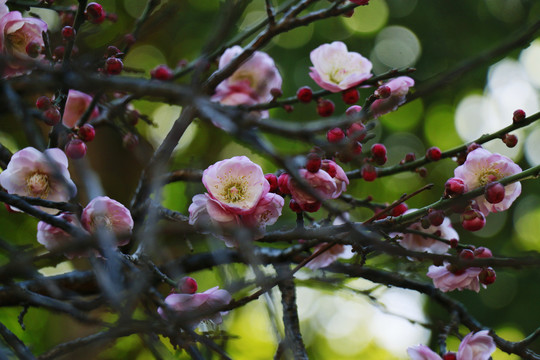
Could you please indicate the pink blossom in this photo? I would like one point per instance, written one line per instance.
(107, 213)
(16, 33)
(52, 237)
(340, 178)
(204, 209)
(336, 69)
(321, 182)
(237, 184)
(422, 352)
(481, 168)
(421, 243)
(188, 304)
(446, 280)
(33, 173)
(476, 346)
(399, 87)
(267, 212)
(251, 83)
(76, 104)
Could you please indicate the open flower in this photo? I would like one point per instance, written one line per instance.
(416, 242)
(267, 211)
(106, 213)
(190, 304)
(481, 168)
(474, 346)
(76, 104)
(446, 280)
(237, 183)
(400, 88)
(53, 237)
(44, 175)
(336, 69)
(251, 83)
(204, 209)
(16, 33)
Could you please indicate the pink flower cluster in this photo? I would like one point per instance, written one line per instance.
(474, 346)
(101, 213)
(238, 194)
(251, 83)
(329, 182)
(19, 38)
(448, 277)
(336, 69)
(190, 302)
(416, 242)
(44, 175)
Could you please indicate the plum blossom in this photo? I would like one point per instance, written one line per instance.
(53, 237)
(329, 182)
(399, 88)
(474, 346)
(44, 175)
(267, 212)
(238, 194)
(340, 177)
(104, 212)
(76, 104)
(481, 168)
(336, 69)
(16, 33)
(188, 304)
(446, 280)
(251, 83)
(337, 251)
(238, 184)
(421, 243)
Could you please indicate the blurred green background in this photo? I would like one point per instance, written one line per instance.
(337, 322)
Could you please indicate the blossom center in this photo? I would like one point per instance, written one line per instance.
(234, 192)
(37, 185)
(488, 176)
(338, 75)
(101, 221)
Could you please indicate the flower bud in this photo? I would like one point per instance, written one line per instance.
(433, 153)
(75, 149)
(454, 187)
(350, 96)
(369, 173)
(304, 94)
(283, 181)
(187, 285)
(473, 220)
(313, 163)
(325, 107)
(273, 181)
(335, 135)
(519, 115)
(487, 276)
(494, 192)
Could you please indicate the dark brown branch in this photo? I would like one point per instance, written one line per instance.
(20, 349)
(293, 337)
